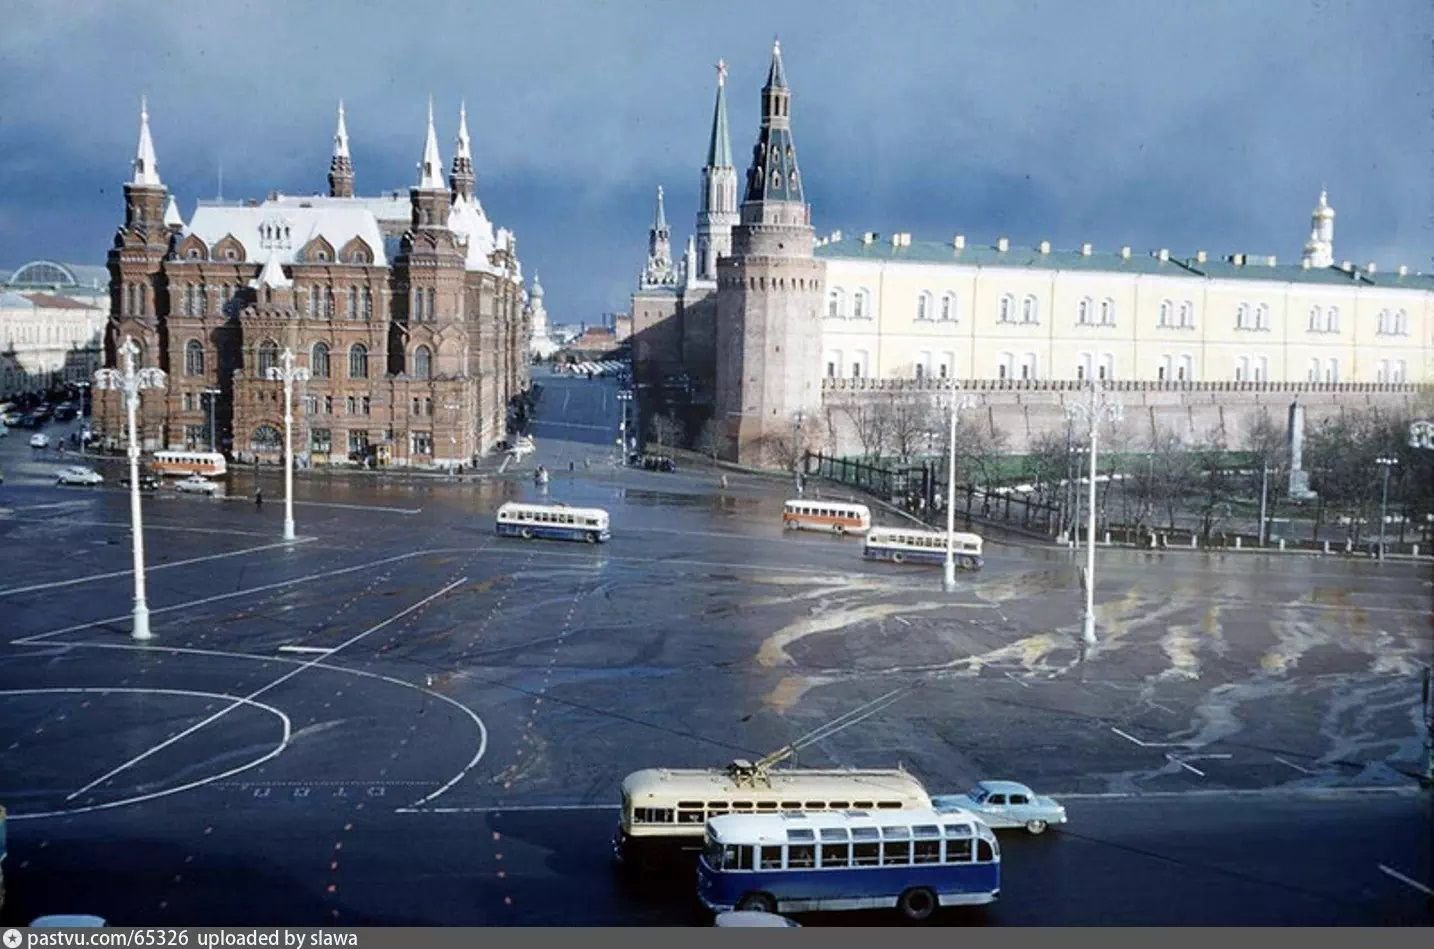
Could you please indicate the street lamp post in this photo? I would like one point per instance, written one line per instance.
(1097, 410)
(1264, 493)
(288, 373)
(130, 381)
(958, 402)
(797, 420)
(1386, 462)
(211, 394)
(624, 396)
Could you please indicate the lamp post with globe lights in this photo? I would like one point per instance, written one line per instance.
(130, 381)
(288, 373)
(1100, 408)
(959, 401)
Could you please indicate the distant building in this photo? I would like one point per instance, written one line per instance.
(407, 312)
(88, 283)
(771, 318)
(541, 345)
(595, 342)
(47, 340)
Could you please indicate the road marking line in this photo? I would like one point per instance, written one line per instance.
(1404, 879)
(148, 527)
(31, 640)
(1295, 766)
(360, 507)
(148, 569)
(1187, 767)
(319, 649)
(903, 620)
(283, 743)
(258, 692)
(1020, 682)
(1150, 744)
(1128, 737)
(516, 807)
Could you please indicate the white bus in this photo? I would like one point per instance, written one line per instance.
(210, 464)
(832, 516)
(665, 810)
(553, 521)
(904, 545)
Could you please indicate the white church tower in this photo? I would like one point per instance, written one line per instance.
(717, 213)
(540, 345)
(1319, 249)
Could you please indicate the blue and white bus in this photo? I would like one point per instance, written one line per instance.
(913, 860)
(553, 521)
(904, 545)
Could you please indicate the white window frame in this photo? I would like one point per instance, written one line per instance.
(948, 307)
(1187, 308)
(1107, 312)
(836, 303)
(1167, 310)
(1084, 311)
(1030, 310)
(923, 306)
(1006, 309)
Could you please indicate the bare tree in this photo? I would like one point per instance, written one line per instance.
(908, 420)
(1169, 472)
(711, 439)
(787, 449)
(1048, 468)
(867, 424)
(978, 449)
(666, 430)
(1212, 480)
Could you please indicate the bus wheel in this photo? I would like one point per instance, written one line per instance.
(590, 537)
(757, 903)
(897, 557)
(917, 904)
(1036, 826)
(526, 533)
(839, 530)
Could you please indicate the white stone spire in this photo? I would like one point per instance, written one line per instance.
(1319, 249)
(341, 135)
(172, 217)
(146, 168)
(430, 170)
(272, 275)
(465, 145)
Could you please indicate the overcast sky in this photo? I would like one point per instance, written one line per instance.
(1156, 124)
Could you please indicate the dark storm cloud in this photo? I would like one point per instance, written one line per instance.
(1185, 125)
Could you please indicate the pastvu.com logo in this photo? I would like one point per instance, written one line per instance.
(12, 938)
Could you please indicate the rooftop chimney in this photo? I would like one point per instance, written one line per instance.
(1369, 267)
(1271, 260)
(868, 237)
(1305, 263)
(895, 240)
(959, 242)
(1045, 247)
(836, 236)
(1201, 257)
(1163, 254)
(1003, 244)
(1085, 249)
(1403, 270)
(1125, 252)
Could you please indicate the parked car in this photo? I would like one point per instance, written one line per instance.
(658, 463)
(78, 474)
(196, 484)
(79, 921)
(147, 481)
(39, 440)
(1005, 804)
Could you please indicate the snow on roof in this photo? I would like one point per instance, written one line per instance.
(272, 275)
(267, 231)
(392, 207)
(467, 220)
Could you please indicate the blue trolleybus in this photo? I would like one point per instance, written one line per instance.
(913, 860)
(553, 521)
(903, 545)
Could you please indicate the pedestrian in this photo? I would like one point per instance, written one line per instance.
(571, 466)
(724, 482)
(258, 498)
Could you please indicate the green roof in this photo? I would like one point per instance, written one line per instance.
(1105, 261)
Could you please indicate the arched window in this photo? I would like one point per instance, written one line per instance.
(859, 305)
(268, 357)
(367, 303)
(1331, 320)
(1262, 317)
(1242, 316)
(1107, 312)
(836, 302)
(1005, 310)
(189, 301)
(358, 361)
(353, 303)
(923, 305)
(1166, 307)
(267, 438)
(948, 306)
(1316, 319)
(319, 361)
(1083, 312)
(1401, 323)
(432, 309)
(329, 303)
(1030, 310)
(422, 362)
(1187, 315)
(315, 307)
(193, 358)
(417, 306)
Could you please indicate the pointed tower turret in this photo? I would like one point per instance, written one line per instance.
(768, 310)
(341, 166)
(429, 198)
(146, 167)
(717, 212)
(1319, 249)
(146, 197)
(659, 272)
(460, 178)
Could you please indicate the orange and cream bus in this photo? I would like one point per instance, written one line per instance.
(819, 515)
(210, 464)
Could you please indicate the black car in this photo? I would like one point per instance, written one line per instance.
(147, 481)
(658, 463)
(65, 412)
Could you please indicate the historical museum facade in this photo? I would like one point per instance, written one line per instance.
(408, 312)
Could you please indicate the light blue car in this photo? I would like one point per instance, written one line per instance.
(1004, 804)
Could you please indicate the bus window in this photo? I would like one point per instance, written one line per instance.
(866, 855)
(816, 805)
(889, 805)
(801, 856)
(771, 858)
(958, 851)
(862, 805)
(689, 812)
(836, 855)
(766, 805)
(983, 851)
(896, 852)
(791, 805)
(737, 858)
(743, 806)
(926, 851)
(839, 805)
(652, 815)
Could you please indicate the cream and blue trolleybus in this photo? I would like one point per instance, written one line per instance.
(905, 545)
(912, 860)
(553, 521)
